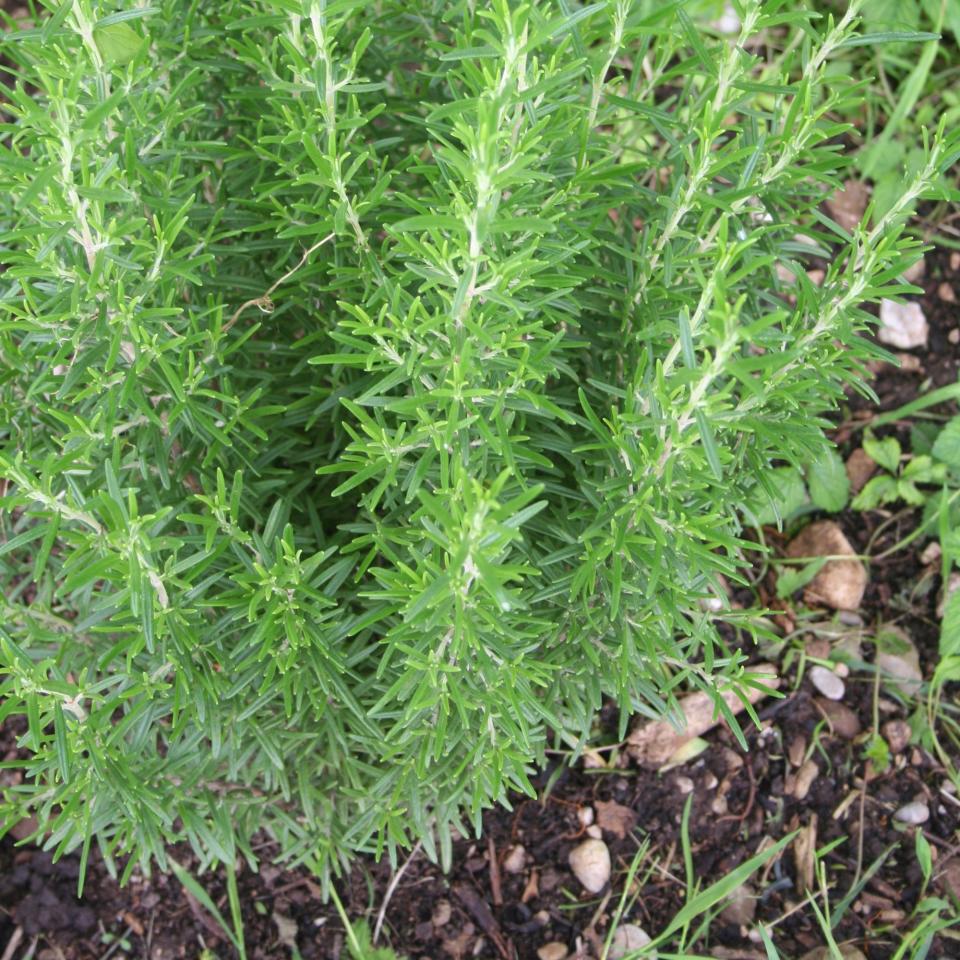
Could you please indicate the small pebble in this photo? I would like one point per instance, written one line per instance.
(848, 650)
(590, 863)
(593, 760)
(712, 604)
(898, 660)
(909, 363)
(684, 785)
(441, 913)
(915, 271)
(843, 720)
(932, 553)
(913, 813)
(585, 815)
(719, 806)
(627, 938)
(954, 336)
(515, 860)
(902, 325)
(710, 781)
(827, 682)
(950, 587)
(805, 777)
(945, 293)
(553, 951)
(796, 750)
(741, 908)
(818, 648)
(594, 831)
(732, 759)
(848, 204)
(841, 582)
(897, 735)
(728, 23)
(847, 951)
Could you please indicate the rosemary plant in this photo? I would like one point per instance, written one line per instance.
(381, 386)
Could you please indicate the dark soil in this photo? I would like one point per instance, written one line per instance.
(741, 801)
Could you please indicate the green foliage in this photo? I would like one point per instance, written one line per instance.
(907, 86)
(828, 481)
(791, 579)
(900, 483)
(780, 497)
(885, 452)
(946, 447)
(381, 387)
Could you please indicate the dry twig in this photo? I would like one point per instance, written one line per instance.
(13, 943)
(391, 887)
(264, 302)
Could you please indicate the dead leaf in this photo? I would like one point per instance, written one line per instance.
(286, 930)
(615, 818)
(656, 742)
(805, 855)
(461, 945)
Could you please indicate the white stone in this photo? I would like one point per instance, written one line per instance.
(827, 682)
(590, 863)
(728, 22)
(902, 325)
(913, 813)
(628, 938)
(515, 860)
